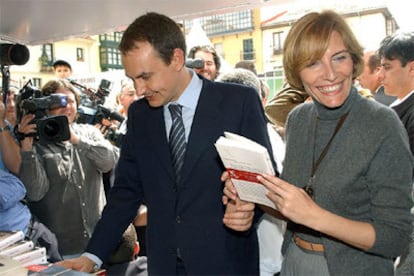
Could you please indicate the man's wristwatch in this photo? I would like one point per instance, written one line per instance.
(4, 128)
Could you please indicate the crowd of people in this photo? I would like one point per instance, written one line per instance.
(340, 133)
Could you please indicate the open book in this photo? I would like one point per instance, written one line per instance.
(244, 159)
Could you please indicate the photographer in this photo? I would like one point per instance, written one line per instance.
(67, 194)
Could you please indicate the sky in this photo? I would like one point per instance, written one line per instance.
(403, 13)
(400, 9)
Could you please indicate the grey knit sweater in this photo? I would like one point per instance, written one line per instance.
(365, 176)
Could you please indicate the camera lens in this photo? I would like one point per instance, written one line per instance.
(51, 128)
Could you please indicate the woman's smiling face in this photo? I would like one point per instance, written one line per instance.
(329, 79)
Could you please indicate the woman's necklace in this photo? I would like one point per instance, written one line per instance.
(315, 164)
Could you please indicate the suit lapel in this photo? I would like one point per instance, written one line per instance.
(205, 128)
(157, 135)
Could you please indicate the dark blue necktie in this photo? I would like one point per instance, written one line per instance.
(177, 138)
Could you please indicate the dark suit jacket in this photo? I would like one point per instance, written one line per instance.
(186, 215)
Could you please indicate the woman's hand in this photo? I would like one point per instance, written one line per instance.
(292, 202)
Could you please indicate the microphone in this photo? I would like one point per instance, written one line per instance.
(197, 63)
(13, 54)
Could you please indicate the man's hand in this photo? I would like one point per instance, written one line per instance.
(239, 214)
(27, 127)
(82, 263)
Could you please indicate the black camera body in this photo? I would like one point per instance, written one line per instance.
(50, 129)
(91, 100)
(103, 113)
(91, 110)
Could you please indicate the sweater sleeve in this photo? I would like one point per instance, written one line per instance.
(390, 181)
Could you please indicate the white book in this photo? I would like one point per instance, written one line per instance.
(34, 254)
(8, 238)
(245, 159)
(17, 248)
(37, 261)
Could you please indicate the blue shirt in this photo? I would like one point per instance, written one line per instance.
(188, 100)
(14, 215)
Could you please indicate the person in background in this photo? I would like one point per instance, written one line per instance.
(62, 69)
(11, 115)
(185, 234)
(211, 59)
(279, 106)
(10, 158)
(14, 212)
(347, 175)
(124, 99)
(270, 228)
(264, 87)
(397, 76)
(64, 179)
(371, 79)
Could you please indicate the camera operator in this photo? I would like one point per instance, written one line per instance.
(212, 62)
(67, 194)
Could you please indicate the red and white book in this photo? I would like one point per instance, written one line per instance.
(245, 159)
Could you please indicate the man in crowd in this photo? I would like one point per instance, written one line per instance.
(64, 178)
(212, 62)
(179, 179)
(370, 78)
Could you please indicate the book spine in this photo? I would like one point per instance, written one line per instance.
(37, 261)
(34, 254)
(17, 248)
(9, 238)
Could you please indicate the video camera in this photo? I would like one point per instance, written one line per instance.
(50, 129)
(91, 110)
(196, 63)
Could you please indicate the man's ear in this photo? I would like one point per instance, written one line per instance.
(410, 66)
(178, 59)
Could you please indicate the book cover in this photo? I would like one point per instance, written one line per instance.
(34, 254)
(10, 267)
(245, 159)
(17, 248)
(8, 238)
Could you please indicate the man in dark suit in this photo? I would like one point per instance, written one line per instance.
(185, 230)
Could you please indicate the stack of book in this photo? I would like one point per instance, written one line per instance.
(13, 245)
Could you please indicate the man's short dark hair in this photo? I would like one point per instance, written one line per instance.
(399, 46)
(163, 33)
(246, 64)
(374, 61)
(61, 62)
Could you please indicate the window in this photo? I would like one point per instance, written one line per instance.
(224, 23)
(80, 54)
(277, 43)
(109, 55)
(46, 59)
(248, 51)
(37, 82)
